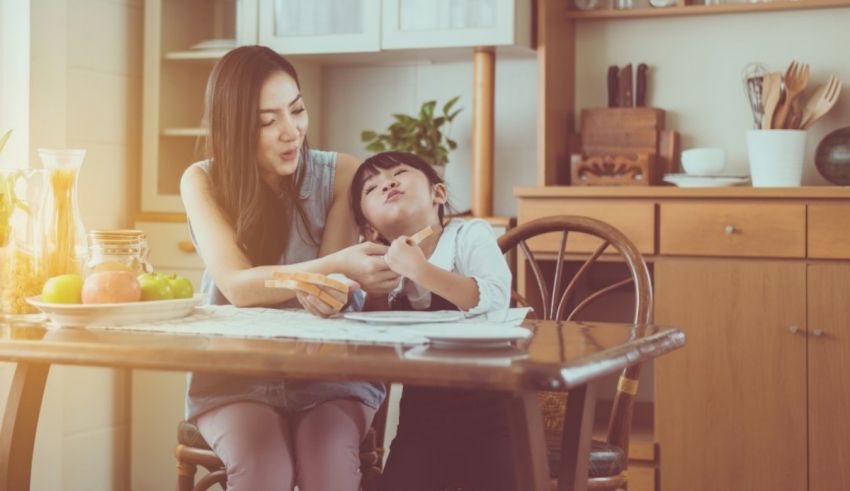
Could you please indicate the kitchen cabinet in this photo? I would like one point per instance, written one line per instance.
(182, 40)
(416, 24)
(829, 376)
(757, 278)
(320, 26)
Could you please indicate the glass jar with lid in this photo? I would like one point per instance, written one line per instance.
(118, 250)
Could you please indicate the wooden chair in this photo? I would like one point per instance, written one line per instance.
(193, 451)
(608, 459)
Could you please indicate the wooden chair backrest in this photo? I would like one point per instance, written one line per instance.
(556, 300)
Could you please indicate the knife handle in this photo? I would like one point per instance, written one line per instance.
(626, 92)
(640, 89)
(613, 85)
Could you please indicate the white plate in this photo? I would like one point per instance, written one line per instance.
(116, 314)
(405, 317)
(501, 356)
(688, 181)
(215, 44)
(472, 336)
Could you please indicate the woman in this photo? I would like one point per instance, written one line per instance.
(265, 202)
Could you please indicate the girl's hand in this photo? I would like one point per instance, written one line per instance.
(318, 307)
(405, 258)
(365, 264)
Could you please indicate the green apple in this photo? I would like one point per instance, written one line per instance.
(66, 288)
(155, 286)
(181, 286)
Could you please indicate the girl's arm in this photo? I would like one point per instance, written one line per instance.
(483, 281)
(457, 289)
(232, 272)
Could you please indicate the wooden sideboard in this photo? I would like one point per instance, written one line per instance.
(759, 280)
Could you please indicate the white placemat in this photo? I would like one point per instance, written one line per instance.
(226, 320)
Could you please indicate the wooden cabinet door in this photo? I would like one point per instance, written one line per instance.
(829, 377)
(730, 408)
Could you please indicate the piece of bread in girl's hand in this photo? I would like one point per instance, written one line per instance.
(422, 234)
(306, 288)
(314, 278)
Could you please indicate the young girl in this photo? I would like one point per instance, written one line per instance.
(265, 202)
(446, 437)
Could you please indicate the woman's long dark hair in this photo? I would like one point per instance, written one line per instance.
(259, 216)
(388, 160)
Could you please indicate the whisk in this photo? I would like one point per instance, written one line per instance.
(753, 77)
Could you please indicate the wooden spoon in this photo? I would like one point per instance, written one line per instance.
(770, 92)
(821, 101)
(796, 79)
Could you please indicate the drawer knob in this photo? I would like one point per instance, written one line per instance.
(729, 229)
(186, 246)
(793, 329)
(817, 332)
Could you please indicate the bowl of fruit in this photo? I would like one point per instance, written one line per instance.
(116, 298)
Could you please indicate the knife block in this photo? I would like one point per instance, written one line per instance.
(615, 139)
(614, 170)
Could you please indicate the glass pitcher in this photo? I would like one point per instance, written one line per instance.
(22, 272)
(64, 236)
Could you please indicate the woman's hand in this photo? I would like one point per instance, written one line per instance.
(316, 306)
(405, 258)
(365, 264)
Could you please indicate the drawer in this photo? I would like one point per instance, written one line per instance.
(733, 229)
(829, 231)
(635, 219)
(170, 245)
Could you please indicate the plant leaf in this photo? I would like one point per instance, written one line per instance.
(452, 144)
(5, 139)
(448, 106)
(427, 110)
(376, 147)
(454, 114)
(368, 135)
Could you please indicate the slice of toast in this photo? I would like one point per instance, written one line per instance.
(314, 278)
(422, 234)
(306, 288)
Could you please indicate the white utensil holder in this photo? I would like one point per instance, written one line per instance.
(776, 157)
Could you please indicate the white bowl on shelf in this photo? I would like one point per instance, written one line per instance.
(704, 161)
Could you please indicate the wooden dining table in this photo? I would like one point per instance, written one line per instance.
(558, 356)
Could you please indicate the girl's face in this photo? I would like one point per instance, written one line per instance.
(283, 125)
(400, 201)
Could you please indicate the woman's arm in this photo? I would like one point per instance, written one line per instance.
(232, 272)
(364, 263)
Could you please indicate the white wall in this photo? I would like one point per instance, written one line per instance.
(84, 92)
(358, 98)
(696, 66)
(14, 80)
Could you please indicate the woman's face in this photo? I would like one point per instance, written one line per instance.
(401, 201)
(283, 125)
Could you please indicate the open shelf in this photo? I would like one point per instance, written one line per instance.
(728, 8)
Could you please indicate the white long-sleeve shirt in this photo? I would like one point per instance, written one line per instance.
(468, 248)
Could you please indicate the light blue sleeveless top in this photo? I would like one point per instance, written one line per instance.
(207, 391)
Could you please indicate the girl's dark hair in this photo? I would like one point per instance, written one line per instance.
(388, 160)
(259, 215)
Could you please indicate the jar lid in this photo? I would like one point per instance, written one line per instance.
(117, 234)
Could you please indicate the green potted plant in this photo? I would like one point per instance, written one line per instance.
(421, 135)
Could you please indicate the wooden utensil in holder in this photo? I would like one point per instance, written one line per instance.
(624, 146)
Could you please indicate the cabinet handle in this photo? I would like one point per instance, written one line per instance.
(729, 229)
(793, 329)
(817, 332)
(186, 246)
